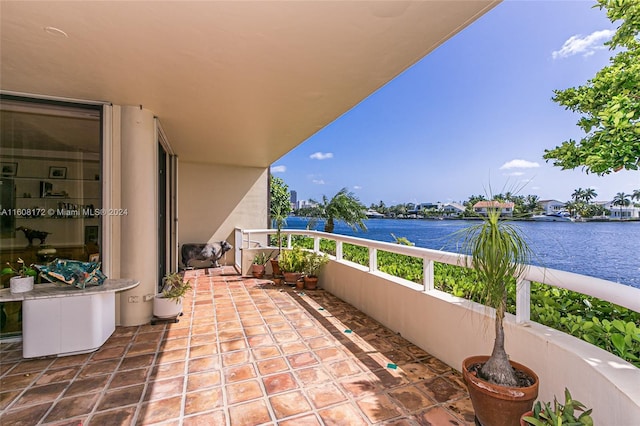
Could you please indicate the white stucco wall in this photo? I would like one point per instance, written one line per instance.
(452, 329)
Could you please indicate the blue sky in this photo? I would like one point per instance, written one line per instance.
(475, 113)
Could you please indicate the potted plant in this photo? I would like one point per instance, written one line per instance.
(291, 264)
(168, 303)
(259, 263)
(561, 414)
(22, 280)
(312, 265)
(279, 209)
(500, 389)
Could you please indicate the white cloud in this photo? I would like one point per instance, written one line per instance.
(514, 174)
(356, 187)
(519, 164)
(586, 45)
(278, 169)
(318, 181)
(321, 155)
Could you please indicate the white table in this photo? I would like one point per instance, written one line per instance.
(64, 320)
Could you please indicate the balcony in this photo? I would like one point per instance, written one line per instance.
(245, 352)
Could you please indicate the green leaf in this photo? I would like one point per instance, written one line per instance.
(618, 342)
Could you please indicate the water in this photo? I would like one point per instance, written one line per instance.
(607, 250)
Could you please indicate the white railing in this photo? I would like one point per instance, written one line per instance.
(619, 294)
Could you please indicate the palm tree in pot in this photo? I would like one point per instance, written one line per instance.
(279, 209)
(499, 253)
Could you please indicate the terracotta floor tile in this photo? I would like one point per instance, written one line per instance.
(309, 420)
(293, 348)
(206, 419)
(203, 350)
(250, 353)
(233, 358)
(462, 409)
(161, 389)
(289, 404)
(88, 385)
(440, 389)
(249, 414)
(99, 368)
(27, 416)
(343, 368)
(108, 353)
(243, 391)
(344, 414)
(207, 379)
(437, 415)
(17, 381)
(171, 356)
(312, 375)
(41, 394)
(233, 345)
(119, 416)
(379, 407)
(203, 400)
(7, 398)
(411, 398)
(129, 378)
(160, 410)
(325, 395)
(272, 365)
(120, 397)
(239, 373)
(304, 359)
(278, 383)
(67, 408)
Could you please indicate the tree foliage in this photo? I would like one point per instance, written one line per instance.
(609, 103)
(343, 206)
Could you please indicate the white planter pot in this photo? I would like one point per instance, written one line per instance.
(21, 284)
(166, 308)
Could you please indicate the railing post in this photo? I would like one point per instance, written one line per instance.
(427, 279)
(373, 259)
(338, 250)
(316, 244)
(523, 302)
(288, 241)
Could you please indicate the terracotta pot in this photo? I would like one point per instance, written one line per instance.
(496, 405)
(310, 283)
(300, 283)
(291, 277)
(275, 267)
(522, 421)
(257, 270)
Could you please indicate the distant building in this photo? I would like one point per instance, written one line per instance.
(453, 209)
(626, 212)
(483, 207)
(552, 206)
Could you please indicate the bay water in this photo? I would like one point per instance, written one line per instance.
(607, 250)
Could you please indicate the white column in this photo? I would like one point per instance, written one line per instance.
(139, 238)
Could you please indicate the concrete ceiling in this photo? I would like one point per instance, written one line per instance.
(233, 82)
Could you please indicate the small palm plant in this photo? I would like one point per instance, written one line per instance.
(499, 253)
(560, 414)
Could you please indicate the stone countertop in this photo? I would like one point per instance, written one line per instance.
(51, 290)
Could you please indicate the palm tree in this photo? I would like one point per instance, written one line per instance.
(589, 194)
(578, 194)
(636, 195)
(343, 206)
(621, 199)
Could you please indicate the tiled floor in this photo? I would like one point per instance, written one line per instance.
(245, 352)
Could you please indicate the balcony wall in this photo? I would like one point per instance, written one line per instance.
(451, 329)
